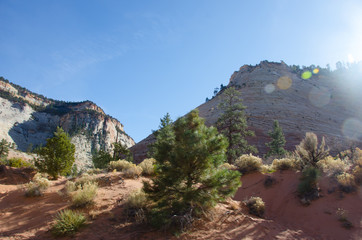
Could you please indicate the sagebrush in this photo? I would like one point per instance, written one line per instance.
(148, 166)
(247, 163)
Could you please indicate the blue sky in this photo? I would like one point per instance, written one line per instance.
(139, 60)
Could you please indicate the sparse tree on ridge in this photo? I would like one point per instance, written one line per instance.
(276, 145)
(233, 125)
(188, 178)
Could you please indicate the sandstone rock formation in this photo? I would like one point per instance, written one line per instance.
(302, 100)
(28, 119)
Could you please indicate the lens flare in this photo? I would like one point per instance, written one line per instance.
(352, 128)
(306, 75)
(319, 97)
(316, 71)
(350, 58)
(269, 88)
(284, 82)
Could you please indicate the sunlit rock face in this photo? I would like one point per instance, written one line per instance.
(28, 122)
(317, 100)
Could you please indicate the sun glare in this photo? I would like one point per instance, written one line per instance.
(284, 82)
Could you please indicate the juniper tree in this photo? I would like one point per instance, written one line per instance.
(233, 125)
(57, 156)
(4, 148)
(276, 145)
(101, 159)
(188, 178)
(121, 152)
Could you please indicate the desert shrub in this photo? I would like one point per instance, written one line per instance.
(37, 186)
(308, 186)
(148, 166)
(228, 166)
(284, 164)
(16, 162)
(133, 171)
(68, 222)
(309, 152)
(247, 163)
(357, 173)
(84, 195)
(342, 215)
(119, 165)
(332, 167)
(135, 205)
(256, 206)
(346, 182)
(32, 190)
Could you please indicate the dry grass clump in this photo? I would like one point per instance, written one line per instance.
(85, 178)
(70, 187)
(247, 163)
(256, 206)
(119, 165)
(93, 171)
(133, 171)
(68, 222)
(346, 182)
(84, 195)
(148, 166)
(332, 167)
(228, 166)
(37, 186)
(284, 164)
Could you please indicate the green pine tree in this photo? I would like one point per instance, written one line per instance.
(57, 156)
(188, 178)
(276, 145)
(233, 125)
(164, 137)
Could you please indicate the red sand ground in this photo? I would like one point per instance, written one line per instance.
(286, 218)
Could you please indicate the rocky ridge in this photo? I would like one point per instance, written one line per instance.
(322, 101)
(27, 119)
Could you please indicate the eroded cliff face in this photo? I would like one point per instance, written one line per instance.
(28, 119)
(324, 102)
